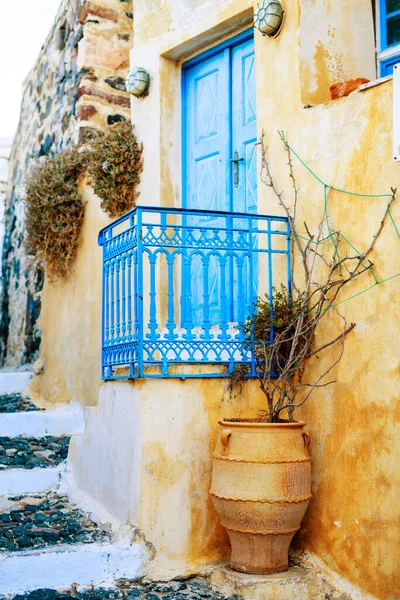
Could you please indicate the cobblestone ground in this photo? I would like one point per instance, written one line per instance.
(193, 589)
(28, 453)
(36, 522)
(10, 403)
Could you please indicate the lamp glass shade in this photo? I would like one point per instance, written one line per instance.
(138, 81)
(269, 16)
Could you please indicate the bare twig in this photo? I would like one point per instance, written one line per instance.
(331, 342)
(281, 361)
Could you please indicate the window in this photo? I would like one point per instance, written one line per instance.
(389, 35)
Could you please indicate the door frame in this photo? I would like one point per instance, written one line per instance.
(229, 43)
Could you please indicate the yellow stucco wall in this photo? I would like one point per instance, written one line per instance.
(146, 458)
(352, 524)
(336, 44)
(178, 441)
(70, 320)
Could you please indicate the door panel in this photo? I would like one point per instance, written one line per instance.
(207, 188)
(244, 126)
(219, 119)
(207, 134)
(244, 137)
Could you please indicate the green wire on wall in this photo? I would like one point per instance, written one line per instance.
(326, 218)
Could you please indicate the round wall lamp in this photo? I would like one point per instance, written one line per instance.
(269, 17)
(138, 81)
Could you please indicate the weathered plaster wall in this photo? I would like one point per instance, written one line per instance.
(337, 43)
(145, 457)
(70, 322)
(356, 422)
(75, 89)
(355, 425)
(156, 18)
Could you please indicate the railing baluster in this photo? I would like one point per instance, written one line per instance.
(250, 295)
(187, 295)
(103, 316)
(223, 300)
(153, 325)
(106, 293)
(123, 278)
(205, 260)
(240, 261)
(118, 298)
(129, 284)
(135, 295)
(288, 259)
(112, 328)
(140, 325)
(270, 279)
(170, 294)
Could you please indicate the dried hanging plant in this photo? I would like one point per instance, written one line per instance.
(114, 169)
(54, 211)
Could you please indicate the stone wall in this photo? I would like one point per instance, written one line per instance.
(5, 148)
(75, 89)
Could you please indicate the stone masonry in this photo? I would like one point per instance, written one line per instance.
(5, 148)
(75, 89)
(192, 589)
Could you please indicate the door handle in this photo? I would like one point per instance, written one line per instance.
(236, 160)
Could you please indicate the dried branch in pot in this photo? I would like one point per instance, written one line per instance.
(281, 329)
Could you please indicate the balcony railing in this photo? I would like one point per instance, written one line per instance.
(178, 284)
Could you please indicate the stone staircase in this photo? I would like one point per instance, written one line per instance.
(46, 542)
(51, 549)
(33, 442)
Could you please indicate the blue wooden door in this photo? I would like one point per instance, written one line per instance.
(207, 134)
(244, 189)
(244, 127)
(219, 123)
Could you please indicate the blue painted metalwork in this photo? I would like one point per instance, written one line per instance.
(150, 326)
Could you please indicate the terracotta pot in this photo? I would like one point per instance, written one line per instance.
(261, 487)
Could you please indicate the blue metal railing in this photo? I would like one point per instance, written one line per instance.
(178, 283)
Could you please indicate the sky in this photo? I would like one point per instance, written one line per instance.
(24, 25)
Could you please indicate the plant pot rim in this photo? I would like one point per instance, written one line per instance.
(253, 424)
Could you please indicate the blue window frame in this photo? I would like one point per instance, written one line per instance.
(386, 66)
(389, 30)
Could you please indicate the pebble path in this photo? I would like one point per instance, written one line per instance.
(192, 589)
(10, 403)
(36, 522)
(29, 453)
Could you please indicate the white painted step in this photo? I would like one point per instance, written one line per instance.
(18, 482)
(59, 567)
(14, 381)
(65, 420)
